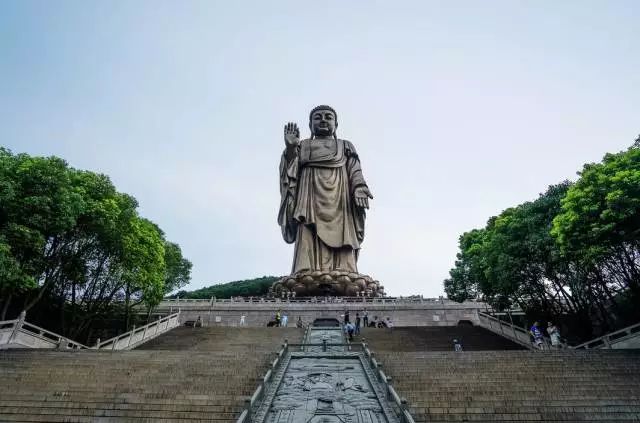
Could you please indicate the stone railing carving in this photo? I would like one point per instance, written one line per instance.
(257, 396)
(614, 339)
(19, 333)
(515, 333)
(140, 335)
(313, 300)
(399, 403)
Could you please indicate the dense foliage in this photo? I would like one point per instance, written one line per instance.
(572, 254)
(68, 236)
(247, 288)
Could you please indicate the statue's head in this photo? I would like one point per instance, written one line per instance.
(323, 121)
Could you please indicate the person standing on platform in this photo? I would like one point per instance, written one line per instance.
(285, 319)
(346, 316)
(365, 318)
(278, 318)
(357, 323)
(242, 321)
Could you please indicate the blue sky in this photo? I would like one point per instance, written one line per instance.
(459, 109)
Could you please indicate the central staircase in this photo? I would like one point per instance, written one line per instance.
(206, 375)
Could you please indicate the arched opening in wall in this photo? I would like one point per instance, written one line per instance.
(465, 323)
(326, 323)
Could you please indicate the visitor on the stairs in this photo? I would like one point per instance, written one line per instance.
(554, 334)
(457, 345)
(536, 332)
(350, 328)
(389, 323)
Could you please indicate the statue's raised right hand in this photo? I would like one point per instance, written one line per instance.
(291, 135)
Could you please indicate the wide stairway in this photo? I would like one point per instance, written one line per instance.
(185, 375)
(436, 338)
(485, 383)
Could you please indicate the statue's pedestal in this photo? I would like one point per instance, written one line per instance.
(323, 282)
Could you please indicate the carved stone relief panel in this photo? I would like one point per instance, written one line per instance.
(332, 336)
(323, 389)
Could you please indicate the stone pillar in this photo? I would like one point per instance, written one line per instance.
(18, 326)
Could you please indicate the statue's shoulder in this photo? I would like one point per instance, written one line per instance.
(349, 148)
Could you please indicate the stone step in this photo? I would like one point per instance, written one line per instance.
(190, 375)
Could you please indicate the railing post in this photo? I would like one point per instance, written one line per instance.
(512, 326)
(248, 405)
(61, 343)
(131, 335)
(18, 326)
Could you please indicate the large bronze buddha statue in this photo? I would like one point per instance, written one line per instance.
(322, 210)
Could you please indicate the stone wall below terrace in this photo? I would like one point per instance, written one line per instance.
(259, 314)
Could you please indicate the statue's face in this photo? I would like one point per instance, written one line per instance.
(323, 123)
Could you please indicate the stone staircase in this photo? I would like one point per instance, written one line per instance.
(186, 375)
(435, 338)
(505, 385)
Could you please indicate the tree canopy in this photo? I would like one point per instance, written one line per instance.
(572, 252)
(69, 236)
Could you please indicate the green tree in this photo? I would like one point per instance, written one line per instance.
(67, 235)
(599, 225)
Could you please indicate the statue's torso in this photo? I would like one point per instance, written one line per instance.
(322, 149)
(322, 153)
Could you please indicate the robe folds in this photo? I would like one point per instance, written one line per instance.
(317, 210)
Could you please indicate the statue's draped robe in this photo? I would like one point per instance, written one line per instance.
(317, 210)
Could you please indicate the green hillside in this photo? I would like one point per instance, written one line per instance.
(246, 288)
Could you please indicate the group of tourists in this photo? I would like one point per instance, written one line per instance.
(281, 319)
(539, 340)
(362, 321)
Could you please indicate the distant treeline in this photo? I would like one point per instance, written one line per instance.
(74, 250)
(572, 254)
(247, 288)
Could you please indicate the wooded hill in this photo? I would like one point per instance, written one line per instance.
(245, 288)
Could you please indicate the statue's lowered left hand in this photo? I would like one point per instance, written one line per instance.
(361, 196)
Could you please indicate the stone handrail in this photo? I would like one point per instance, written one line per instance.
(606, 341)
(392, 394)
(319, 300)
(258, 394)
(137, 336)
(21, 334)
(514, 333)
